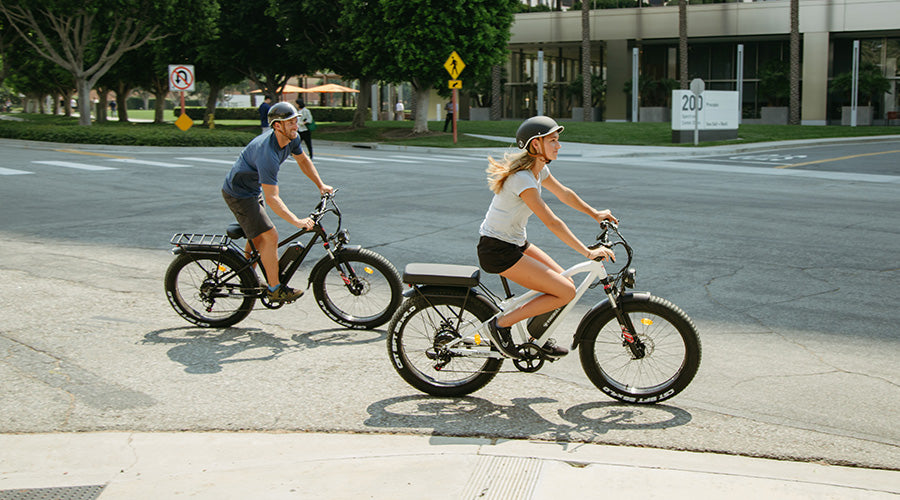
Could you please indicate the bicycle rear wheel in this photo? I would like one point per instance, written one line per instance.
(416, 336)
(204, 289)
(670, 361)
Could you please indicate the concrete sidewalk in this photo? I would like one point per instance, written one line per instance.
(111, 465)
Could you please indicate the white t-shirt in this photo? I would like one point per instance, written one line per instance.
(508, 214)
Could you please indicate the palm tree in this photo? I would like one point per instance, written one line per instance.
(586, 60)
(682, 44)
(795, 63)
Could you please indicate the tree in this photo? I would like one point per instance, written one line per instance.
(413, 38)
(324, 31)
(871, 82)
(586, 99)
(85, 37)
(795, 64)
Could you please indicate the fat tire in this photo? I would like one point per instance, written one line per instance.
(623, 377)
(367, 259)
(408, 317)
(182, 304)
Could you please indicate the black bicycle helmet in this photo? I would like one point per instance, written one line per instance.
(535, 127)
(282, 111)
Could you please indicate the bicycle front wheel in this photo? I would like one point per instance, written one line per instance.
(205, 290)
(669, 362)
(418, 334)
(359, 289)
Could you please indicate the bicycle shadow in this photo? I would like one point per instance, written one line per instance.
(205, 351)
(470, 416)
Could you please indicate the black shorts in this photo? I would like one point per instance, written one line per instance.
(496, 256)
(250, 213)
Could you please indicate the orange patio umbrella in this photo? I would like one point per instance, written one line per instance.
(287, 89)
(330, 87)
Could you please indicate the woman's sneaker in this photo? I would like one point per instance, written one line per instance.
(501, 337)
(551, 349)
(284, 294)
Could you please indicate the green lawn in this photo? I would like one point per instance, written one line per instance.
(239, 132)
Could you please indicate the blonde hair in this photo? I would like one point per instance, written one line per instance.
(498, 172)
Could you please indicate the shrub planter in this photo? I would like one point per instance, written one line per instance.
(863, 115)
(655, 114)
(578, 114)
(774, 115)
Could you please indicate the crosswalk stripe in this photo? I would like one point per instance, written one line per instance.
(147, 162)
(207, 160)
(431, 158)
(342, 160)
(382, 160)
(12, 171)
(68, 164)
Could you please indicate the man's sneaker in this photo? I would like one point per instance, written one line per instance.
(284, 294)
(501, 337)
(551, 349)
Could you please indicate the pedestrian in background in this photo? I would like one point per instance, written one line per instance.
(306, 124)
(449, 109)
(399, 109)
(264, 113)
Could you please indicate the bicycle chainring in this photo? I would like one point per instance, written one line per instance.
(531, 360)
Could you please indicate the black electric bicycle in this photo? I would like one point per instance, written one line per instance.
(213, 283)
(634, 347)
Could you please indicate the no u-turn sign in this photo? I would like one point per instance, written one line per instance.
(181, 77)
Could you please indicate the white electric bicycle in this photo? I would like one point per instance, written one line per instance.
(634, 347)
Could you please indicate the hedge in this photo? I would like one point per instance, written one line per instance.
(320, 114)
(133, 134)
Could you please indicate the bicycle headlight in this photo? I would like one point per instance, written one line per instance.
(629, 277)
(344, 236)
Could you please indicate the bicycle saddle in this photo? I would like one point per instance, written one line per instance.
(234, 231)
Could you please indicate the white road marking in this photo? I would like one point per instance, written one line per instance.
(152, 163)
(12, 171)
(207, 160)
(68, 164)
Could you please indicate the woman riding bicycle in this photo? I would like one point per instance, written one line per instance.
(503, 248)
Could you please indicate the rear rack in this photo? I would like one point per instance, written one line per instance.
(191, 240)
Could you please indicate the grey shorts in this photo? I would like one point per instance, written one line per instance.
(250, 213)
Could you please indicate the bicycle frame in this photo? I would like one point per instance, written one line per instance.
(594, 269)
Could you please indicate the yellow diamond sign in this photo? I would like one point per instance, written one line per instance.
(454, 65)
(184, 122)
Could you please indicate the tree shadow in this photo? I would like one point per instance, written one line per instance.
(470, 416)
(205, 351)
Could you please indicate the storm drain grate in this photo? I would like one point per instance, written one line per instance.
(61, 493)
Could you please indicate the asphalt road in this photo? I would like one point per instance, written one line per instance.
(789, 273)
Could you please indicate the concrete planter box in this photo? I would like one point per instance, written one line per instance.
(655, 114)
(479, 114)
(774, 115)
(578, 114)
(863, 115)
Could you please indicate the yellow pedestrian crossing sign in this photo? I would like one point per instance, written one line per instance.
(454, 65)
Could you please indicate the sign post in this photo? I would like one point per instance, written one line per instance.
(697, 88)
(181, 79)
(454, 65)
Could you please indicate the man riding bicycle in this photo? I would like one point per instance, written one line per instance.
(253, 182)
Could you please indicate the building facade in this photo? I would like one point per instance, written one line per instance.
(828, 29)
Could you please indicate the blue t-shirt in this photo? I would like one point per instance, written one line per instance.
(258, 164)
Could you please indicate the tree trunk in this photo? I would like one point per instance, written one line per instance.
(160, 91)
(795, 64)
(102, 105)
(496, 104)
(586, 97)
(84, 101)
(422, 98)
(122, 92)
(214, 89)
(362, 103)
(683, 44)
